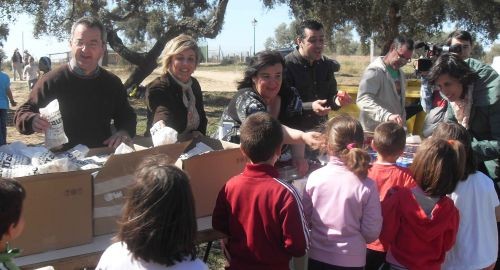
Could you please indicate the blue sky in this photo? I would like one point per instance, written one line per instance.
(236, 35)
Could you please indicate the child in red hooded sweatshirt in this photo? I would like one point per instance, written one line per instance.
(421, 224)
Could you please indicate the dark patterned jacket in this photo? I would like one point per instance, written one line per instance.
(246, 102)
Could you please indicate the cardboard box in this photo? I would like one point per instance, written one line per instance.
(210, 171)
(113, 179)
(57, 211)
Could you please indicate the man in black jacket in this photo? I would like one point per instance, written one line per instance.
(312, 73)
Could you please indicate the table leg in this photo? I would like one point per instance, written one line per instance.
(207, 251)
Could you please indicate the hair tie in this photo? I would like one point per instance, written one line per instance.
(450, 142)
(351, 146)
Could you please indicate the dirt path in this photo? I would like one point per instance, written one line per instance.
(210, 80)
(20, 92)
(217, 80)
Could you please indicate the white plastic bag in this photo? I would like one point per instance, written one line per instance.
(79, 151)
(54, 136)
(92, 162)
(199, 149)
(123, 148)
(161, 134)
(11, 160)
(18, 171)
(57, 165)
(39, 155)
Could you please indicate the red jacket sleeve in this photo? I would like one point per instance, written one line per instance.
(220, 215)
(294, 229)
(391, 218)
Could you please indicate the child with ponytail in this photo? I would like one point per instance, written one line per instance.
(341, 204)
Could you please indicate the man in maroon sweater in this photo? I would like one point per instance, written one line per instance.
(261, 215)
(90, 97)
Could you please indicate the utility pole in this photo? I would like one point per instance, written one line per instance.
(254, 23)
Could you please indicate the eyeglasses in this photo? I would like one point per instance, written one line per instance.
(88, 45)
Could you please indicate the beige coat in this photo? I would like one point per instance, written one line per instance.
(377, 96)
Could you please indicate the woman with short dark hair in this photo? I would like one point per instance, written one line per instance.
(258, 91)
(474, 104)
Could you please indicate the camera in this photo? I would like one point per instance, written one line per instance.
(431, 52)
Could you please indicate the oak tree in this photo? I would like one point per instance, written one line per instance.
(151, 23)
(385, 19)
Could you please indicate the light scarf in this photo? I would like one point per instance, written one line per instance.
(189, 101)
(462, 108)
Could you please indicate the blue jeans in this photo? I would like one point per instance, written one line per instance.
(3, 126)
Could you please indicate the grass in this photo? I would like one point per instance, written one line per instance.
(215, 102)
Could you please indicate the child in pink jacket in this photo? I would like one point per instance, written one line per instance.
(341, 204)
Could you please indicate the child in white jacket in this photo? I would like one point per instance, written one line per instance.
(31, 72)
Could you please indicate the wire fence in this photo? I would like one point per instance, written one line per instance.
(212, 56)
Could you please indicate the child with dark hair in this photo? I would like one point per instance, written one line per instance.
(341, 204)
(261, 214)
(475, 197)
(158, 227)
(12, 195)
(420, 224)
(389, 141)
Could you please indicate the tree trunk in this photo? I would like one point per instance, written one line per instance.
(391, 28)
(147, 64)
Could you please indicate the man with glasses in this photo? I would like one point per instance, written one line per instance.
(382, 89)
(312, 74)
(90, 97)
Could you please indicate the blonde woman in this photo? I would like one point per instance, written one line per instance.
(175, 97)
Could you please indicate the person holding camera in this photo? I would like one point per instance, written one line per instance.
(459, 42)
(382, 89)
(473, 103)
(473, 98)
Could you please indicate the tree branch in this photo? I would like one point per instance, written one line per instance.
(213, 27)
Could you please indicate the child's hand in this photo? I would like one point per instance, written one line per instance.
(312, 138)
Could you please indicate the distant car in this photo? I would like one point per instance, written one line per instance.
(285, 51)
